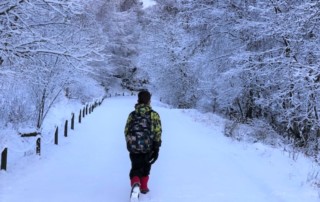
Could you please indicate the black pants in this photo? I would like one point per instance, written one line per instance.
(140, 165)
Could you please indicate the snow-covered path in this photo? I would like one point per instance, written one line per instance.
(196, 163)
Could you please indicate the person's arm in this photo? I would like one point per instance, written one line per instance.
(126, 129)
(156, 129)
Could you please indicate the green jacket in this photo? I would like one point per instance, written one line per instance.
(156, 128)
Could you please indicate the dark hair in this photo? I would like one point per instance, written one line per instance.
(144, 97)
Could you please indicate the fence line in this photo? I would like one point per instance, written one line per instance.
(87, 109)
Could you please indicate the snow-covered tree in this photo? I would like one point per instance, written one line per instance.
(246, 59)
(41, 39)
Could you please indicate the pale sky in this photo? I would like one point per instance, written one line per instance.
(147, 3)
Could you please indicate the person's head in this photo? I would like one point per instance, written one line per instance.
(144, 97)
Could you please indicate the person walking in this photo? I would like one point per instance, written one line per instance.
(143, 137)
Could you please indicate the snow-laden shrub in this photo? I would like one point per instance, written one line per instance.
(254, 131)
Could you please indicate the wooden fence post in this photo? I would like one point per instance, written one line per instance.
(66, 129)
(56, 140)
(83, 111)
(86, 109)
(72, 122)
(38, 147)
(80, 116)
(4, 156)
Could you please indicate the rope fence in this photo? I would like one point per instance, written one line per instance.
(85, 111)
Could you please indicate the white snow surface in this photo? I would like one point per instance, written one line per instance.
(197, 163)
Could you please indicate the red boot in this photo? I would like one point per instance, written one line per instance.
(144, 184)
(135, 188)
(135, 181)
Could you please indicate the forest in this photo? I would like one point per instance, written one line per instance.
(253, 62)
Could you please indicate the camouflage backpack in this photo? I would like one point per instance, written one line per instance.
(140, 138)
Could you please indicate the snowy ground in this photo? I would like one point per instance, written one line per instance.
(196, 163)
